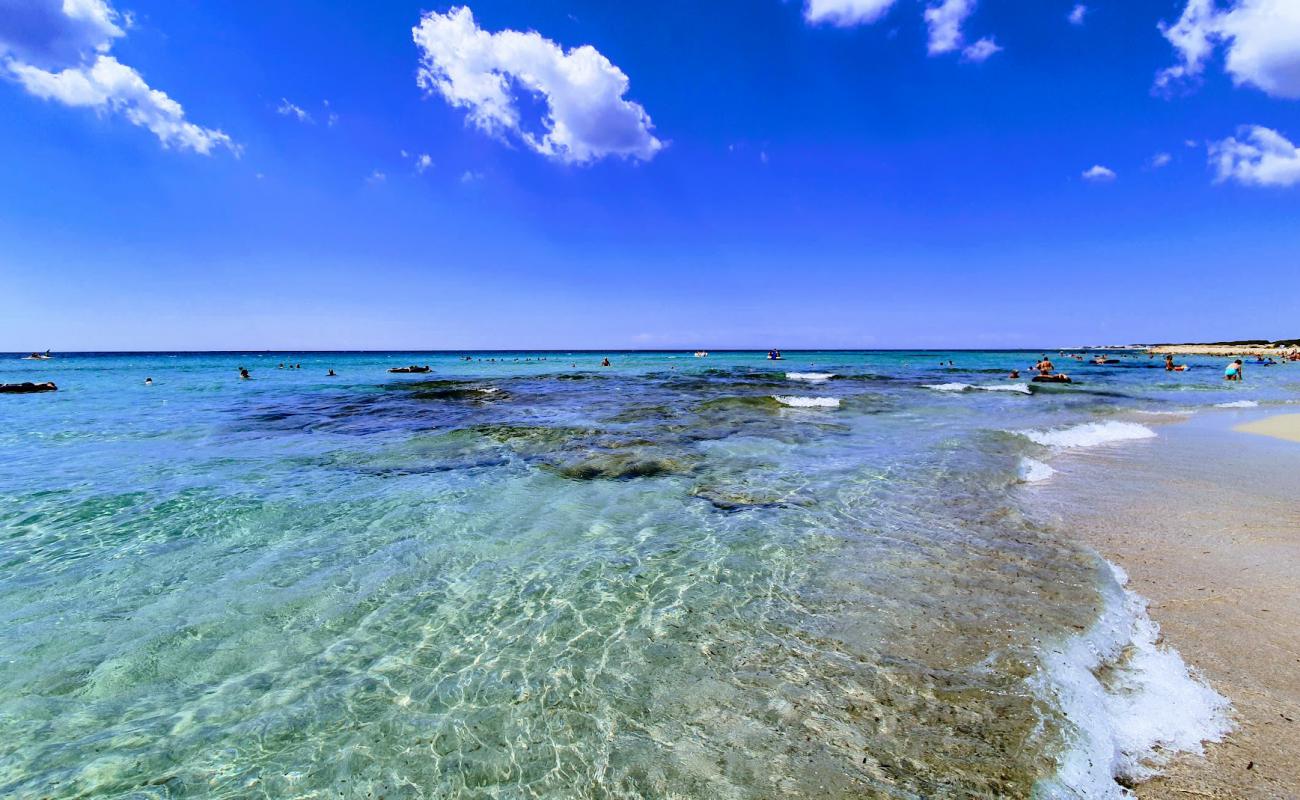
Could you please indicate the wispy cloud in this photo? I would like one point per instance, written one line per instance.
(1261, 157)
(944, 18)
(1077, 14)
(845, 13)
(1099, 174)
(288, 109)
(945, 21)
(981, 50)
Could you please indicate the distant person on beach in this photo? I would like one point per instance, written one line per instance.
(1233, 372)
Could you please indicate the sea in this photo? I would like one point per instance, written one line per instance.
(528, 575)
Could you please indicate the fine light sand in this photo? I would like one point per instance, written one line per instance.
(1221, 350)
(1207, 523)
(1279, 426)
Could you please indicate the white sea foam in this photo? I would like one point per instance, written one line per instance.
(1237, 404)
(812, 377)
(808, 402)
(1022, 388)
(949, 387)
(1182, 412)
(1146, 705)
(1034, 471)
(1090, 434)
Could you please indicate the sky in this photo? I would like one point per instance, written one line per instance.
(188, 175)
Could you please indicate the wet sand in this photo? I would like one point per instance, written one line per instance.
(1206, 521)
(1279, 426)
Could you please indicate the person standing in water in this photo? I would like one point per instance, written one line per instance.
(1233, 371)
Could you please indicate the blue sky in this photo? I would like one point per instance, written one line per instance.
(774, 174)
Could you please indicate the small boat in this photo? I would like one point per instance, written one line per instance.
(701, 353)
(413, 369)
(38, 356)
(1051, 379)
(27, 388)
(775, 355)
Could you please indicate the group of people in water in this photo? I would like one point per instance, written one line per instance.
(1233, 372)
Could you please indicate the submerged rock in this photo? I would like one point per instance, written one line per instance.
(736, 499)
(621, 466)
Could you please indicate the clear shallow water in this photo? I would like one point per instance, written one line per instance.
(524, 578)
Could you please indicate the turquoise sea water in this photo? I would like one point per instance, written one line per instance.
(525, 575)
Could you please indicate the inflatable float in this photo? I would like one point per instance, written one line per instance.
(27, 388)
(411, 369)
(1052, 379)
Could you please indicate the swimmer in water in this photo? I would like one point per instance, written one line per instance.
(1015, 373)
(1233, 372)
(148, 381)
(605, 362)
(243, 374)
(331, 374)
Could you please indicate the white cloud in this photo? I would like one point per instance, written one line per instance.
(1261, 38)
(587, 117)
(290, 110)
(1160, 160)
(470, 176)
(945, 21)
(58, 50)
(1099, 174)
(423, 162)
(981, 50)
(1262, 157)
(845, 13)
(944, 18)
(1077, 14)
(376, 177)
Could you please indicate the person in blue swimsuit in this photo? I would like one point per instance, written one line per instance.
(1233, 371)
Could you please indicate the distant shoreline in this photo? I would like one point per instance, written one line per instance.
(1268, 349)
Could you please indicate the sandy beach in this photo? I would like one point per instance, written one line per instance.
(1221, 350)
(1206, 523)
